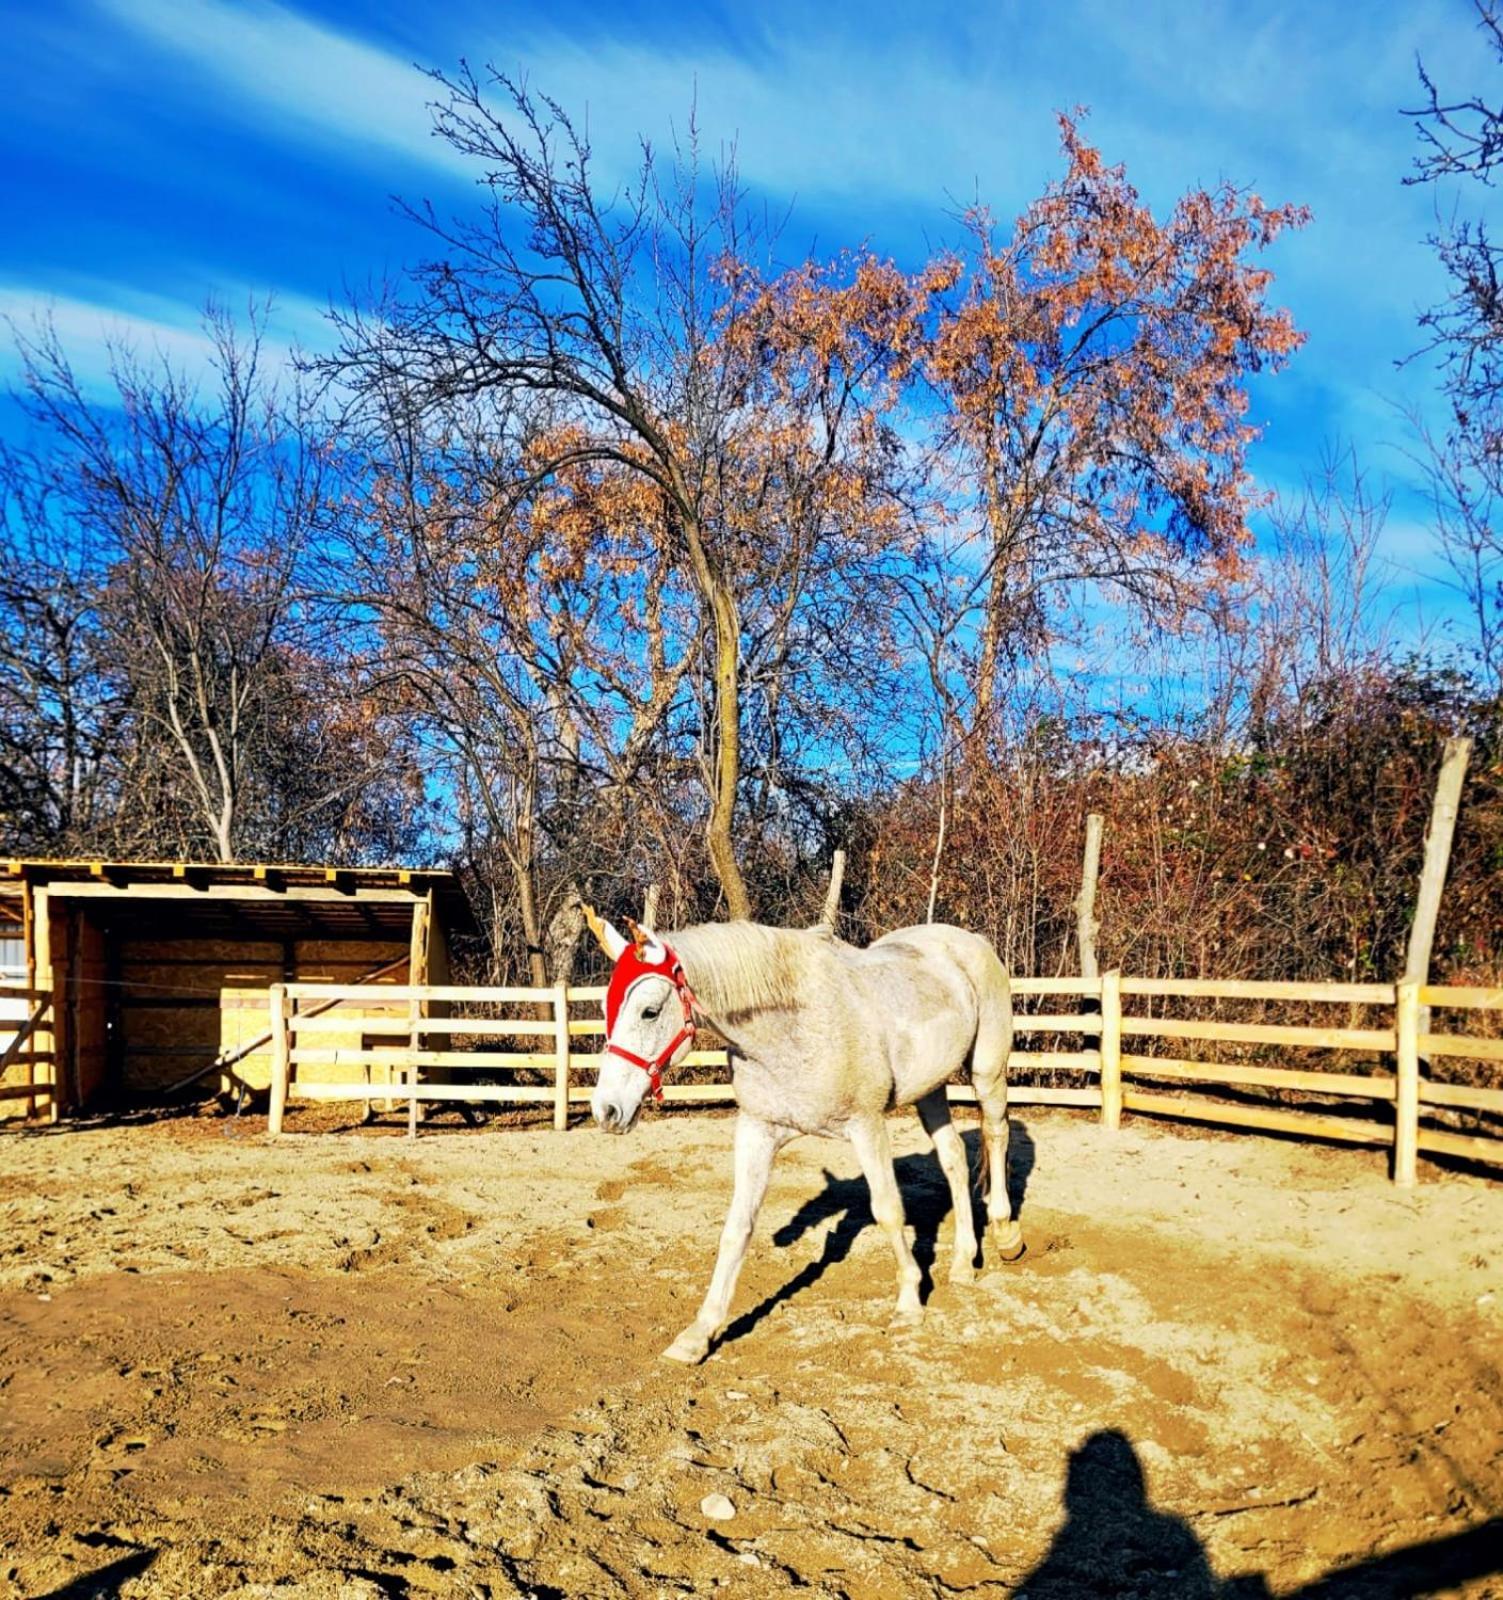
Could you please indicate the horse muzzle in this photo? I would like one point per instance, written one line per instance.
(613, 1118)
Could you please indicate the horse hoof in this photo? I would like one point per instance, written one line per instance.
(1013, 1252)
(690, 1348)
(905, 1321)
(962, 1272)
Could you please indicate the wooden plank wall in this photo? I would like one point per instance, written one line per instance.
(185, 1002)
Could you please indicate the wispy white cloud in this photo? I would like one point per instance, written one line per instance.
(104, 320)
(869, 118)
(890, 119)
(297, 77)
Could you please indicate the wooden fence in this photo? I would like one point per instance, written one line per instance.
(1117, 1066)
(27, 1070)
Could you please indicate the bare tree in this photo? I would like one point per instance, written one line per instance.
(538, 640)
(195, 511)
(656, 352)
(1462, 137)
(64, 706)
(1465, 477)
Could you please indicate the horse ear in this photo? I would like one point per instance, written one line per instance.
(650, 949)
(610, 941)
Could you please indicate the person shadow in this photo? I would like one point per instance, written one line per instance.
(1113, 1542)
(926, 1204)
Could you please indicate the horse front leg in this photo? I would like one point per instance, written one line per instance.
(874, 1151)
(757, 1142)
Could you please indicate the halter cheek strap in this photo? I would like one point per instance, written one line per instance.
(630, 968)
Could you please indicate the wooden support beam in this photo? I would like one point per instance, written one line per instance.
(939, 855)
(1274, 1121)
(1055, 1061)
(1086, 925)
(281, 1059)
(1461, 1144)
(1437, 859)
(44, 977)
(1260, 1033)
(22, 1034)
(1345, 994)
(1204, 1072)
(831, 913)
(561, 1054)
(205, 890)
(1447, 995)
(1111, 1050)
(1460, 1095)
(417, 972)
(1031, 1094)
(1438, 836)
(1406, 1100)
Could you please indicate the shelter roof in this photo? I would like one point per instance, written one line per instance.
(252, 898)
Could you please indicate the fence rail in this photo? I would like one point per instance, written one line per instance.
(388, 1040)
(27, 1060)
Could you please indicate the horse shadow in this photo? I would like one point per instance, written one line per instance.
(107, 1581)
(1114, 1541)
(926, 1202)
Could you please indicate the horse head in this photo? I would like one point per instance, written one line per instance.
(649, 1023)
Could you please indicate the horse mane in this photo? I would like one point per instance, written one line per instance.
(739, 968)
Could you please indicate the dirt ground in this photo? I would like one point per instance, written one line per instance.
(346, 1365)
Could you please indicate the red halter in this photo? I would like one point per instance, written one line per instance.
(630, 969)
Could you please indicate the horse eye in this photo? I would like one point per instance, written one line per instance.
(653, 1014)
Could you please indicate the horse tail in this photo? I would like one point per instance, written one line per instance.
(983, 1166)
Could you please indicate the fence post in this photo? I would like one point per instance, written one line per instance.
(281, 1058)
(560, 1056)
(414, 1044)
(1406, 1085)
(1111, 1049)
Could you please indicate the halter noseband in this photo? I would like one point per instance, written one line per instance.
(631, 967)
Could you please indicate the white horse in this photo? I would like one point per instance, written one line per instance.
(825, 1038)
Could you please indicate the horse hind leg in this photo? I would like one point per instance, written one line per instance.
(934, 1115)
(874, 1151)
(989, 1075)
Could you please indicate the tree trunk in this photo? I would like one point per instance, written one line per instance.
(727, 752)
(564, 930)
(527, 906)
(994, 617)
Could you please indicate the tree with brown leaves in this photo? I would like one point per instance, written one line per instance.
(635, 337)
(1093, 364)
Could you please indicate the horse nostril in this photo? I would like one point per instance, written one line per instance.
(607, 1115)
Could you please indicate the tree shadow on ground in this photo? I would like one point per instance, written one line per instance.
(1115, 1543)
(926, 1204)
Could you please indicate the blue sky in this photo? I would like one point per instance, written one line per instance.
(158, 152)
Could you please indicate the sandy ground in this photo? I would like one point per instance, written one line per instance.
(346, 1365)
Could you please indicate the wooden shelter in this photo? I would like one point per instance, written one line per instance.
(141, 976)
